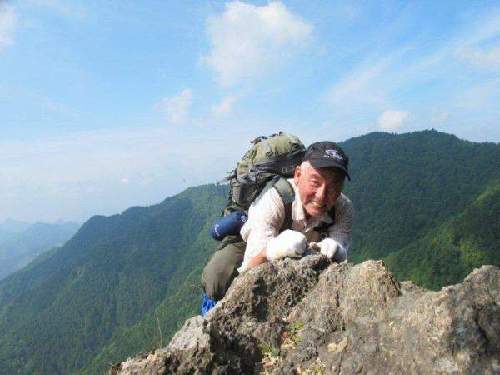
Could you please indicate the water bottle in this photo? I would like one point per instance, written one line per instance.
(228, 225)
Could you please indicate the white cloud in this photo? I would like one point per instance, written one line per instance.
(479, 99)
(484, 28)
(176, 108)
(8, 21)
(422, 76)
(479, 46)
(359, 87)
(103, 172)
(225, 107)
(247, 40)
(392, 120)
(440, 118)
(481, 57)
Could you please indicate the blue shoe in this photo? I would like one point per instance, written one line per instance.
(207, 304)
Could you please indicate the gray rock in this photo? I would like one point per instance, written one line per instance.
(308, 316)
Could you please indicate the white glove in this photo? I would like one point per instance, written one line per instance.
(289, 243)
(327, 247)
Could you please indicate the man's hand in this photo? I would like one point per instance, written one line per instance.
(327, 247)
(287, 244)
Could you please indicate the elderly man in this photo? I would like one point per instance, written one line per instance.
(319, 216)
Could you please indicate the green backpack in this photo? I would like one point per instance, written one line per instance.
(270, 160)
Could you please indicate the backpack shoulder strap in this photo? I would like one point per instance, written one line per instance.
(287, 194)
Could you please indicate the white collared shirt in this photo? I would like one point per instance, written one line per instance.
(266, 216)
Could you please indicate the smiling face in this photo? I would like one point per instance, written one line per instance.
(319, 188)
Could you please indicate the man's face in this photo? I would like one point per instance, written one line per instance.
(319, 188)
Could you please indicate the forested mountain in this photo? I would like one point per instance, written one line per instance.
(446, 254)
(405, 185)
(56, 314)
(20, 242)
(124, 283)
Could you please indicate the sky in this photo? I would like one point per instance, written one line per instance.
(106, 105)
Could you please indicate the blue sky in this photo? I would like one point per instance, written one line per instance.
(107, 105)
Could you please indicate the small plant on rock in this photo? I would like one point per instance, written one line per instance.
(292, 338)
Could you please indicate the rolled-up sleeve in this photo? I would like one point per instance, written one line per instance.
(342, 229)
(265, 218)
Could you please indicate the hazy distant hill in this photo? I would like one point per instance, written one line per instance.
(20, 242)
(122, 284)
(11, 226)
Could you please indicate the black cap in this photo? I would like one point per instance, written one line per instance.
(327, 155)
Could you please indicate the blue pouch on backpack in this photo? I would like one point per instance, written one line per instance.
(228, 225)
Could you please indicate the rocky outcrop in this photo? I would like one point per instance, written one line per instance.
(308, 316)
